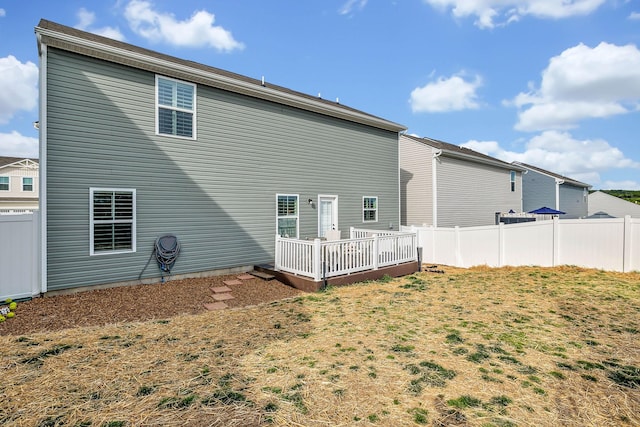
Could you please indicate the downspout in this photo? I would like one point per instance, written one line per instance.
(42, 175)
(559, 182)
(434, 184)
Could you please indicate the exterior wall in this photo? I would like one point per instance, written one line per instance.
(470, 193)
(614, 206)
(538, 190)
(416, 184)
(573, 201)
(16, 198)
(216, 193)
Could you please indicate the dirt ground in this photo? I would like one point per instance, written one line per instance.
(137, 303)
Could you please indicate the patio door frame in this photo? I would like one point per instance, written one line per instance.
(333, 199)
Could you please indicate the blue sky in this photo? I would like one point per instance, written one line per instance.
(553, 83)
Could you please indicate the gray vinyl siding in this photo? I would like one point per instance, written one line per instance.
(217, 193)
(416, 184)
(470, 193)
(538, 190)
(573, 201)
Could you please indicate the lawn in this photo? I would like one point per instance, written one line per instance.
(477, 347)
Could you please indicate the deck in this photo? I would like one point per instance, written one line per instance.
(311, 265)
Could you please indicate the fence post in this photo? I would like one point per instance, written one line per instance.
(626, 257)
(376, 254)
(278, 253)
(501, 244)
(458, 255)
(351, 232)
(317, 260)
(556, 242)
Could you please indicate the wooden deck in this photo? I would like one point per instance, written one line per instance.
(309, 285)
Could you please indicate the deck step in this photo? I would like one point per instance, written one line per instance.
(262, 275)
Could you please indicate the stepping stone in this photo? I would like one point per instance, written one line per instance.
(222, 297)
(215, 306)
(264, 276)
(220, 289)
(232, 282)
(245, 277)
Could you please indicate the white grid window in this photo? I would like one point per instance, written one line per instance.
(27, 184)
(175, 108)
(369, 209)
(113, 221)
(287, 215)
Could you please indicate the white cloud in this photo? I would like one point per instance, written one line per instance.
(446, 94)
(350, 5)
(582, 83)
(2, 13)
(634, 16)
(18, 87)
(87, 18)
(620, 185)
(16, 145)
(197, 31)
(507, 11)
(559, 152)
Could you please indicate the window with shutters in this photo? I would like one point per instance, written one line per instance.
(369, 209)
(113, 221)
(175, 108)
(287, 215)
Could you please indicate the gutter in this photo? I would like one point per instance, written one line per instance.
(434, 183)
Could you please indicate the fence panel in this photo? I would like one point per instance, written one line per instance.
(479, 246)
(608, 244)
(528, 243)
(19, 255)
(595, 243)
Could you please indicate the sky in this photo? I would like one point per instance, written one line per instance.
(553, 83)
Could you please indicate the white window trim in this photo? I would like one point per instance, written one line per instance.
(195, 97)
(297, 216)
(9, 183)
(92, 190)
(513, 179)
(33, 185)
(375, 210)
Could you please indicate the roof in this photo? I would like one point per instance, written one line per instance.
(9, 161)
(81, 42)
(464, 153)
(553, 175)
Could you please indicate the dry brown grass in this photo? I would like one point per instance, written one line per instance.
(479, 347)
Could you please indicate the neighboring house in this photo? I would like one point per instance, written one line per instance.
(614, 206)
(445, 185)
(541, 188)
(18, 184)
(136, 144)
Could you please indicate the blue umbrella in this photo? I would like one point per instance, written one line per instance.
(546, 211)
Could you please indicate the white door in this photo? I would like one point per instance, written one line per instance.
(327, 214)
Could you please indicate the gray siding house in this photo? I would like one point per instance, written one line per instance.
(542, 188)
(135, 144)
(445, 185)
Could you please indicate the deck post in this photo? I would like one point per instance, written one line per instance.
(376, 254)
(278, 253)
(317, 260)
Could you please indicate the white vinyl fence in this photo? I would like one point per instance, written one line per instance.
(607, 244)
(19, 255)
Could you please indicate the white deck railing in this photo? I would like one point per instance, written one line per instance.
(365, 250)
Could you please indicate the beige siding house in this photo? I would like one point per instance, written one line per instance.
(445, 185)
(18, 184)
(614, 206)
